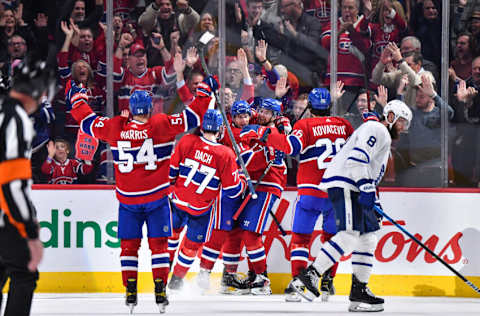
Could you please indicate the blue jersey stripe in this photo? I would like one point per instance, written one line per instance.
(87, 124)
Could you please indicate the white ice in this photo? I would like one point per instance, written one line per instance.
(196, 305)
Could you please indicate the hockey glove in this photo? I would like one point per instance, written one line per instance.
(274, 155)
(378, 215)
(75, 95)
(252, 134)
(283, 125)
(367, 196)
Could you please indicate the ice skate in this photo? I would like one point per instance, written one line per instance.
(203, 279)
(362, 299)
(261, 285)
(176, 283)
(131, 295)
(306, 283)
(160, 295)
(326, 286)
(231, 284)
(291, 295)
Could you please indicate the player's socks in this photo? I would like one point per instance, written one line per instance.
(186, 256)
(231, 250)
(255, 251)
(160, 258)
(211, 249)
(129, 258)
(299, 252)
(173, 243)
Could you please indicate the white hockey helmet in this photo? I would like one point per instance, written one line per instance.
(400, 110)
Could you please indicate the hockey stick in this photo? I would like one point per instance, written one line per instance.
(204, 39)
(381, 212)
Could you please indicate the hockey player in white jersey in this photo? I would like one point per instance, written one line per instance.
(350, 180)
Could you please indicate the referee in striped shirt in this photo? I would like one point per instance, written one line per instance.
(20, 248)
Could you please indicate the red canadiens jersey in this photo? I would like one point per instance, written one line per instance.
(317, 140)
(256, 160)
(319, 9)
(350, 69)
(200, 169)
(124, 8)
(66, 172)
(159, 80)
(141, 151)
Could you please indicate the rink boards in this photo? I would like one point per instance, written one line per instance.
(78, 228)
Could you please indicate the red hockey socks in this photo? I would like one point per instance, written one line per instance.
(160, 258)
(299, 252)
(186, 256)
(324, 238)
(129, 258)
(255, 251)
(211, 249)
(173, 242)
(232, 249)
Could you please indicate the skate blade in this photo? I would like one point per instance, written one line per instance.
(325, 297)
(261, 291)
(233, 291)
(297, 285)
(131, 306)
(293, 298)
(161, 308)
(364, 307)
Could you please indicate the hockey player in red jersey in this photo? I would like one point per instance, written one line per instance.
(253, 218)
(226, 236)
(201, 169)
(141, 150)
(316, 140)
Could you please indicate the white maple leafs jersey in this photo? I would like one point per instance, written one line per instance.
(363, 159)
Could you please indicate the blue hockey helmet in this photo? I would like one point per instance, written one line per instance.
(272, 105)
(140, 103)
(240, 107)
(255, 102)
(212, 121)
(319, 98)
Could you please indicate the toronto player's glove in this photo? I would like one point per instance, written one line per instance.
(283, 124)
(207, 86)
(367, 195)
(378, 215)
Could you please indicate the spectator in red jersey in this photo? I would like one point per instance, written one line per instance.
(59, 168)
(159, 80)
(353, 44)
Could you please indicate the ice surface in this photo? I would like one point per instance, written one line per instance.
(199, 305)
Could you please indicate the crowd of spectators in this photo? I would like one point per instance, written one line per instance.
(387, 49)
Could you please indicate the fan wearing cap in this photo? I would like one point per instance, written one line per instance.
(201, 169)
(20, 248)
(137, 76)
(350, 180)
(317, 140)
